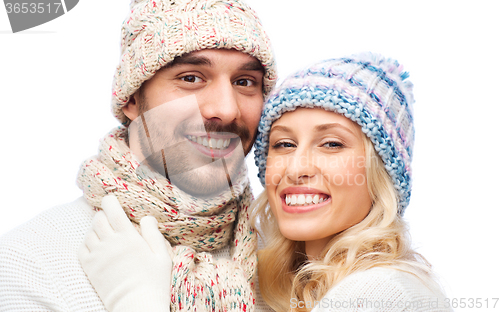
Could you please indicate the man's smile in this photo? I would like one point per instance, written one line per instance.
(215, 145)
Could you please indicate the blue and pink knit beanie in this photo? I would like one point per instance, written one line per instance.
(368, 89)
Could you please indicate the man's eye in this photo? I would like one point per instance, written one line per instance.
(244, 83)
(191, 79)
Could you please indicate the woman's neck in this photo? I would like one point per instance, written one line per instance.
(315, 247)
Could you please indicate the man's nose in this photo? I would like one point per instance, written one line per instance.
(220, 103)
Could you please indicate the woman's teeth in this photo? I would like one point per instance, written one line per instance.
(304, 199)
(210, 143)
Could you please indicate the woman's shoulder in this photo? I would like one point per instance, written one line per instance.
(383, 289)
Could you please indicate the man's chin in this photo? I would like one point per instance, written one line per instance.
(202, 183)
(196, 174)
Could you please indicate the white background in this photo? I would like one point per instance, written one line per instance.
(55, 83)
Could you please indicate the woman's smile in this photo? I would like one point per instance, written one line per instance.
(303, 199)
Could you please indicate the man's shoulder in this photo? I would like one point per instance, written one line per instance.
(49, 239)
(40, 266)
(63, 223)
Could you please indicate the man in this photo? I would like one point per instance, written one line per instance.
(210, 56)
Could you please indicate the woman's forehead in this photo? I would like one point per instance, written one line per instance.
(302, 117)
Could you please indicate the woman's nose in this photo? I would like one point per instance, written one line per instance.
(300, 166)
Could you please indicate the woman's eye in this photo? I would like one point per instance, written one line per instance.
(244, 83)
(191, 79)
(283, 145)
(333, 145)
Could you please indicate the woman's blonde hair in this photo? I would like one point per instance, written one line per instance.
(380, 239)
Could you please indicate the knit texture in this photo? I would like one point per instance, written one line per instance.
(39, 267)
(382, 289)
(368, 89)
(157, 31)
(192, 225)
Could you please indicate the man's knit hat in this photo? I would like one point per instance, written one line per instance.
(157, 31)
(366, 88)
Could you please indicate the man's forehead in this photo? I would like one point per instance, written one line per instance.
(209, 57)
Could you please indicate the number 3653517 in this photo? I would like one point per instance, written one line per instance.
(39, 8)
(471, 302)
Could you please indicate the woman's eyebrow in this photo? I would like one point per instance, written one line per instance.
(280, 128)
(324, 127)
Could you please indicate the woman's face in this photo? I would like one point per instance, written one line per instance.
(315, 175)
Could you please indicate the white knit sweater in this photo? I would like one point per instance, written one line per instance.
(40, 271)
(381, 289)
(39, 267)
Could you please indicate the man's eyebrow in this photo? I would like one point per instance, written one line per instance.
(253, 65)
(189, 59)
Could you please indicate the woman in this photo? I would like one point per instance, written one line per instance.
(334, 152)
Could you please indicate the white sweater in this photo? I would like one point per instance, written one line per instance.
(381, 289)
(39, 267)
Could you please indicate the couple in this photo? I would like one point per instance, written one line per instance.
(333, 147)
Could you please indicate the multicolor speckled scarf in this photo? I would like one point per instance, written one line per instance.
(193, 226)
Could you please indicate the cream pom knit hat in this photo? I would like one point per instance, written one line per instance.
(157, 31)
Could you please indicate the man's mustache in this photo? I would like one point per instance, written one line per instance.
(216, 127)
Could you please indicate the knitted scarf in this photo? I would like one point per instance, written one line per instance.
(193, 226)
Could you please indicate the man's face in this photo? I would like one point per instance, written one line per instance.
(201, 113)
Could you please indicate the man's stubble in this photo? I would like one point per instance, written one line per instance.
(183, 165)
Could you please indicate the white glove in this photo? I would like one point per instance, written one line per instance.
(129, 271)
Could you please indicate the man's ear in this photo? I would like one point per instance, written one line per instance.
(131, 109)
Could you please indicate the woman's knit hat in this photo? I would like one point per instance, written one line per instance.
(366, 88)
(157, 31)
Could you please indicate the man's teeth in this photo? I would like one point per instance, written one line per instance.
(303, 199)
(212, 143)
